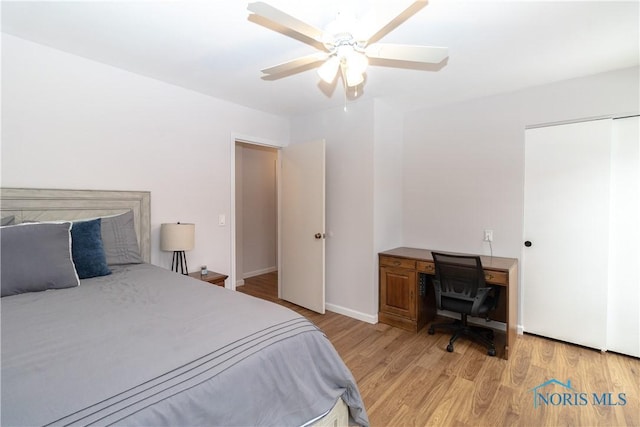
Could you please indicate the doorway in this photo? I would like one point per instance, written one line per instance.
(290, 222)
(256, 210)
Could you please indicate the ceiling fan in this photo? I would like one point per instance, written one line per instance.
(345, 47)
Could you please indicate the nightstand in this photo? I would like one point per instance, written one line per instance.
(213, 277)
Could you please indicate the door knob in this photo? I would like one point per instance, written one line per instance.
(527, 243)
(318, 236)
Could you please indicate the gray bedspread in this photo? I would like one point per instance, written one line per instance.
(145, 346)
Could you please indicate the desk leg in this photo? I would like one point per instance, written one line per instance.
(512, 311)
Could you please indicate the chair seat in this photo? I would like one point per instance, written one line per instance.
(462, 306)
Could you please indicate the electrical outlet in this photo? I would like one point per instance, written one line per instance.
(488, 235)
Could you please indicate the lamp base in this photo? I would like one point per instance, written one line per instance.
(179, 261)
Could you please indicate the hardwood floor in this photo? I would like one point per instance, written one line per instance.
(410, 379)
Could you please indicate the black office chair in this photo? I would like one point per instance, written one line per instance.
(459, 286)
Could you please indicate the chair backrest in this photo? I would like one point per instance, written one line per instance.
(459, 275)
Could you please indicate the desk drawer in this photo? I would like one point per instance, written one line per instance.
(496, 277)
(427, 267)
(397, 262)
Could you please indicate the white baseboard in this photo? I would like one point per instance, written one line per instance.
(352, 313)
(259, 272)
(239, 283)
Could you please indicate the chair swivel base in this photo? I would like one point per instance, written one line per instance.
(460, 327)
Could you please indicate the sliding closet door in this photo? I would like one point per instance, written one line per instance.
(623, 314)
(565, 268)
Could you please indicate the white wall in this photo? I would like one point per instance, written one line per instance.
(388, 184)
(68, 122)
(351, 287)
(388, 176)
(464, 163)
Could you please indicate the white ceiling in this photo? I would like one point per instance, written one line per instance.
(212, 47)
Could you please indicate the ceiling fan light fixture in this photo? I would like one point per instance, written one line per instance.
(329, 69)
(347, 44)
(357, 62)
(354, 78)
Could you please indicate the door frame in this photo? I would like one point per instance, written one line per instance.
(252, 140)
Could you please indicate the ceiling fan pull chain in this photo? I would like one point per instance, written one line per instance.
(344, 82)
(345, 100)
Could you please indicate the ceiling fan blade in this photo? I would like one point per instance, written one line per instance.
(410, 53)
(393, 23)
(304, 61)
(279, 17)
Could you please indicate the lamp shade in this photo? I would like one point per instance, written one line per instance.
(177, 237)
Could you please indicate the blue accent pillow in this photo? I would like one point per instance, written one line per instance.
(87, 249)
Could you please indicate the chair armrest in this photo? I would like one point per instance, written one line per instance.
(480, 298)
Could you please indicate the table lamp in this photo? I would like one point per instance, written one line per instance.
(178, 237)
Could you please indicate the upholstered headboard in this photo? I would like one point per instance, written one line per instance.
(37, 204)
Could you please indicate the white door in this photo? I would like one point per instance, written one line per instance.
(623, 314)
(302, 225)
(566, 220)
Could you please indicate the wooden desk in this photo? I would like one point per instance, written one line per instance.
(408, 302)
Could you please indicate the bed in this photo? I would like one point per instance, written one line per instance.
(141, 345)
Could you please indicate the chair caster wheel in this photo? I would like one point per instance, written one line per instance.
(450, 348)
(491, 352)
(431, 331)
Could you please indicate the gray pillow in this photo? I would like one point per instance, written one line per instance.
(36, 257)
(119, 239)
(7, 220)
